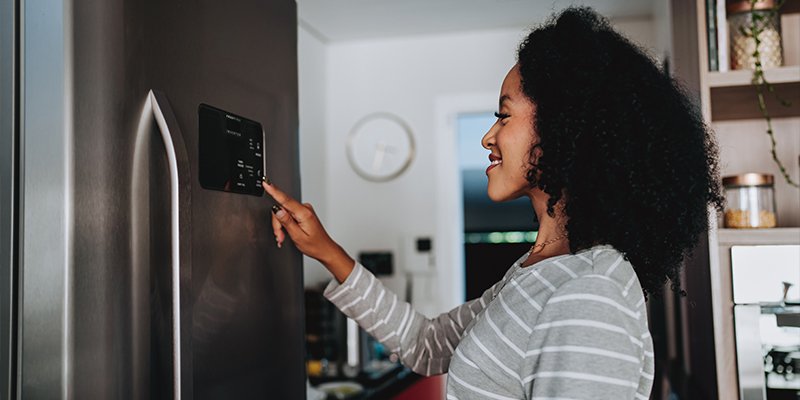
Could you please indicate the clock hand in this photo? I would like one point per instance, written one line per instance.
(380, 152)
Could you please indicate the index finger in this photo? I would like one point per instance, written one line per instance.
(286, 201)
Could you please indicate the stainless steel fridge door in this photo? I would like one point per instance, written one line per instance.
(246, 295)
(8, 204)
(95, 322)
(44, 281)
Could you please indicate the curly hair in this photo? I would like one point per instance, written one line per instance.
(622, 145)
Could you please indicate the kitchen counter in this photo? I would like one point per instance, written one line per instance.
(389, 386)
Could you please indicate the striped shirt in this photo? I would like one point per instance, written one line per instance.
(568, 327)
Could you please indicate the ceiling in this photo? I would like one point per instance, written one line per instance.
(342, 20)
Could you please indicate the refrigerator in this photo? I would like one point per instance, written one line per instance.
(137, 259)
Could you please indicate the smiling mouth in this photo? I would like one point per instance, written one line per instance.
(495, 161)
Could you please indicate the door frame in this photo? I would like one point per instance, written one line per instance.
(449, 188)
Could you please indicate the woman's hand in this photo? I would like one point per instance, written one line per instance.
(309, 236)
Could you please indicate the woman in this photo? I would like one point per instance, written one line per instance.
(620, 171)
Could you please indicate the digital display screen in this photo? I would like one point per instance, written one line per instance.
(379, 263)
(231, 152)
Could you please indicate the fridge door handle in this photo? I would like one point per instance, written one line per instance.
(157, 110)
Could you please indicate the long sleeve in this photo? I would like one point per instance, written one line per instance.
(424, 344)
(587, 344)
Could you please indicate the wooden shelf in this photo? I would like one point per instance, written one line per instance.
(737, 100)
(788, 74)
(758, 236)
(790, 7)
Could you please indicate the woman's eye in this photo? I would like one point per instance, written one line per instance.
(500, 115)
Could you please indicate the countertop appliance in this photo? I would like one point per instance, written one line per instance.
(766, 313)
(136, 256)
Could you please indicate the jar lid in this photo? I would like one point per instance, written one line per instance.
(740, 6)
(749, 179)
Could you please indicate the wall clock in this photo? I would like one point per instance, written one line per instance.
(380, 147)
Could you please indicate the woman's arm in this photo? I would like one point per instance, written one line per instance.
(423, 344)
(300, 221)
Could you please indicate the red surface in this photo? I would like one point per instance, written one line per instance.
(428, 388)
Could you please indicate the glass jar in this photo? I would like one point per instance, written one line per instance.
(750, 201)
(742, 46)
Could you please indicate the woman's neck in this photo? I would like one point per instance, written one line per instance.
(551, 239)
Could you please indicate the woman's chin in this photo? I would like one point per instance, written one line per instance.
(497, 197)
(501, 196)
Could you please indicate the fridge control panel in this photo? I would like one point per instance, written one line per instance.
(231, 152)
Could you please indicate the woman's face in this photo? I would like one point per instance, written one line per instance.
(510, 140)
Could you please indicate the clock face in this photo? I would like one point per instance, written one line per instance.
(380, 147)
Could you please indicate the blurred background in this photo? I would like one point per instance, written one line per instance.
(437, 67)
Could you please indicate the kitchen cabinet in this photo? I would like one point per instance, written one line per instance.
(725, 343)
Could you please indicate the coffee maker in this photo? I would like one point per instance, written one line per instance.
(766, 296)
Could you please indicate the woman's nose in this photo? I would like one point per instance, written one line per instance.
(488, 139)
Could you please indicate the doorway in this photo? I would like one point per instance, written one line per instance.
(495, 234)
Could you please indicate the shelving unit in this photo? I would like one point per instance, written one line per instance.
(728, 103)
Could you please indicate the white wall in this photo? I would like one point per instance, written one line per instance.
(312, 62)
(406, 76)
(644, 32)
(662, 28)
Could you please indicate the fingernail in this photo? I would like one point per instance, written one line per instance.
(279, 212)
(265, 179)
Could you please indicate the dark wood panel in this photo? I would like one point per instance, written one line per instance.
(741, 102)
(790, 6)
